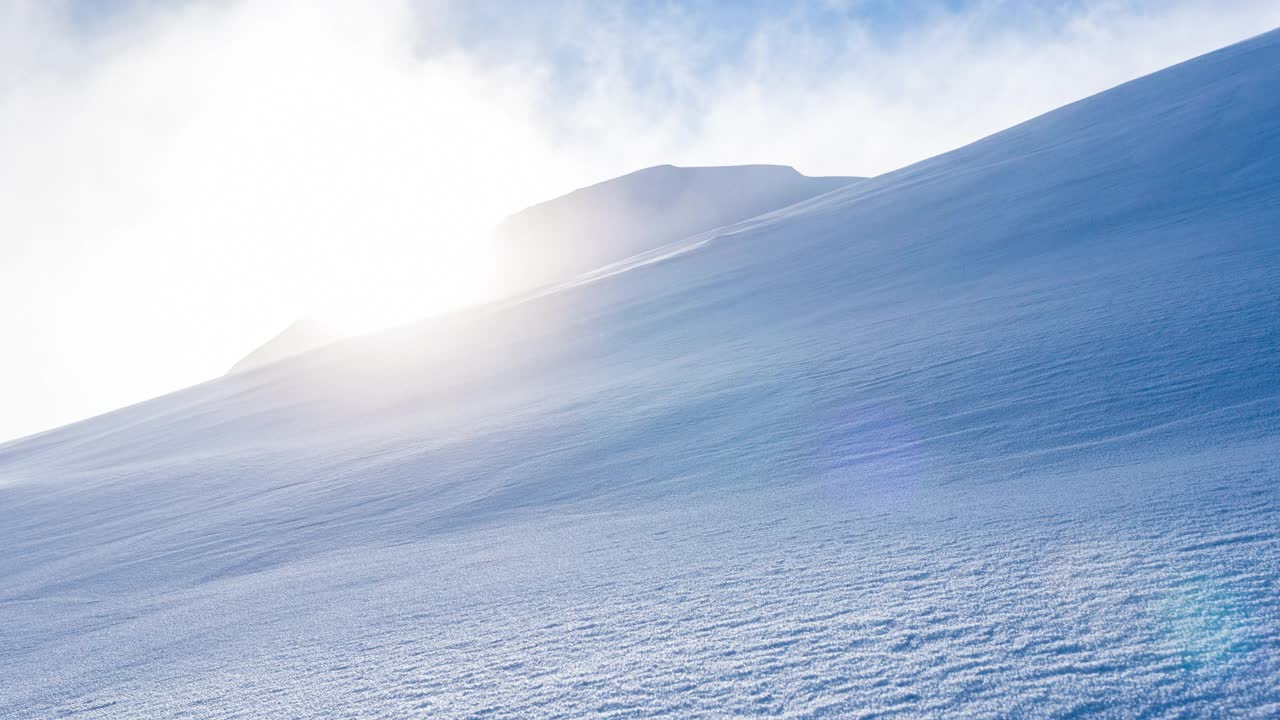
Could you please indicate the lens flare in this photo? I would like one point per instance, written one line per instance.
(871, 454)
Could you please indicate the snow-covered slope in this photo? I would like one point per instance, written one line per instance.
(554, 241)
(994, 435)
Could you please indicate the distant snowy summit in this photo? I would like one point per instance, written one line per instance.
(640, 211)
(610, 221)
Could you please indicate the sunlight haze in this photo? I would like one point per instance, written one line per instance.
(182, 180)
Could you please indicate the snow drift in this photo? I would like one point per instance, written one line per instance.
(993, 435)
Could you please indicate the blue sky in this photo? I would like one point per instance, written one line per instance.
(183, 179)
(725, 32)
(504, 31)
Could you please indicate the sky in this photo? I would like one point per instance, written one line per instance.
(180, 180)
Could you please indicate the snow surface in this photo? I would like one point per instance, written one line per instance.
(995, 435)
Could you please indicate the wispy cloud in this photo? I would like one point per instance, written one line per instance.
(180, 180)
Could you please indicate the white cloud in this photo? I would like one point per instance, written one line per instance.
(180, 181)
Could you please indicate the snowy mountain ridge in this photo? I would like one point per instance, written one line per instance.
(610, 222)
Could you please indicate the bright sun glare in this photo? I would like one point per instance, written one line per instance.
(369, 295)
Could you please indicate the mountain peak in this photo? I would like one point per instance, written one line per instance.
(608, 222)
